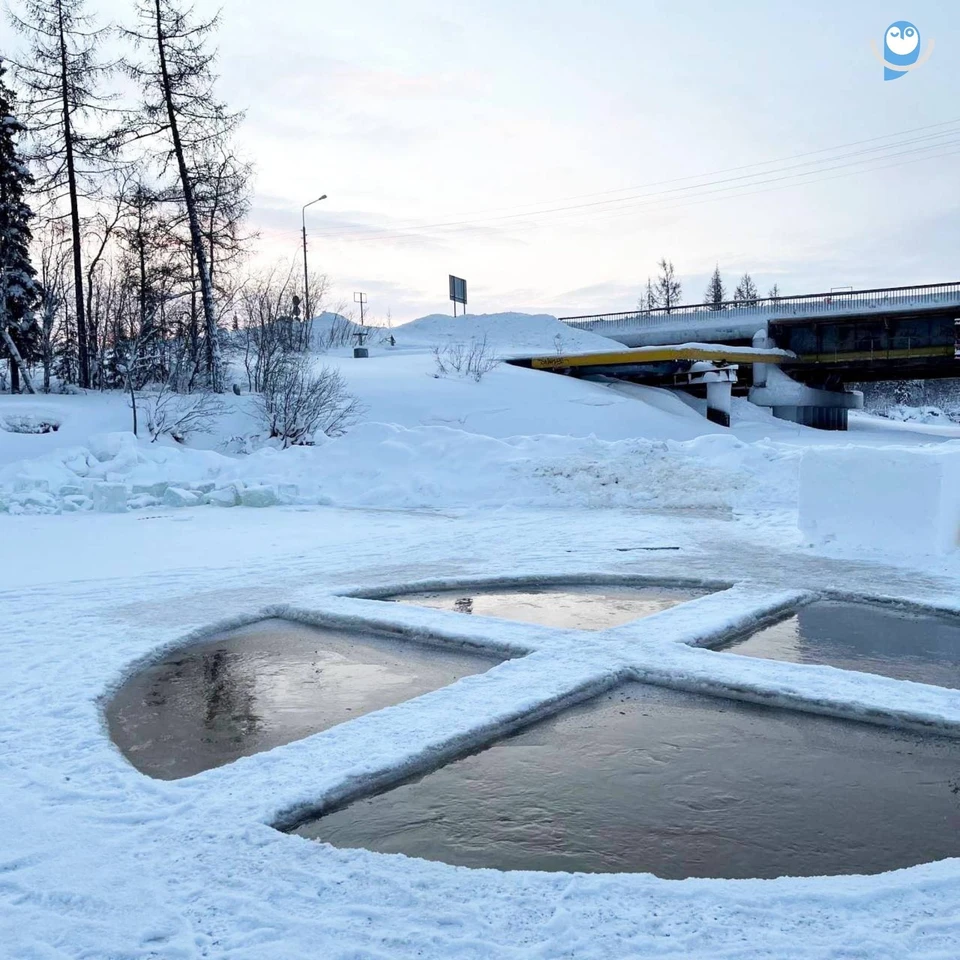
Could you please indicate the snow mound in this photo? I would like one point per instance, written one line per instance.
(331, 330)
(931, 415)
(508, 334)
(383, 465)
(29, 423)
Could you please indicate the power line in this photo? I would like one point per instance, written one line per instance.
(389, 233)
(631, 205)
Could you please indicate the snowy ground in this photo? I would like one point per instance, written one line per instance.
(99, 861)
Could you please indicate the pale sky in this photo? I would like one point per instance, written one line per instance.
(485, 116)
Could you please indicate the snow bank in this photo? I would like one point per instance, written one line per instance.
(508, 334)
(891, 499)
(933, 415)
(330, 330)
(383, 465)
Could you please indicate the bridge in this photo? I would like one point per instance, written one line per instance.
(880, 334)
(833, 339)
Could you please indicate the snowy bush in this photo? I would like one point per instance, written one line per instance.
(25, 423)
(296, 403)
(473, 359)
(907, 414)
(178, 415)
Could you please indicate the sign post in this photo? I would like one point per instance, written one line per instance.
(458, 293)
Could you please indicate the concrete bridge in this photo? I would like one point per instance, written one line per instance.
(894, 332)
(836, 338)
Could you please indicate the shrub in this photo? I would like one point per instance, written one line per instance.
(296, 403)
(473, 359)
(180, 415)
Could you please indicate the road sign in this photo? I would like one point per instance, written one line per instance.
(458, 292)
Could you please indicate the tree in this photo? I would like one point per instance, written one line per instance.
(774, 293)
(62, 74)
(648, 299)
(746, 293)
(667, 290)
(177, 79)
(19, 290)
(715, 294)
(54, 282)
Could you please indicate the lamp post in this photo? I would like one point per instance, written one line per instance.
(307, 315)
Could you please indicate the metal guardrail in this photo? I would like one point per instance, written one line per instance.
(771, 308)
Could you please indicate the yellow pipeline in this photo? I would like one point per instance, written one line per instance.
(661, 354)
(904, 353)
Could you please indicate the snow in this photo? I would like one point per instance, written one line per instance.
(507, 334)
(114, 553)
(101, 861)
(925, 414)
(888, 499)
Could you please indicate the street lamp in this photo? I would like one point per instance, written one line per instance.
(306, 275)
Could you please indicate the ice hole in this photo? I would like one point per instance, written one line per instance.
(267, 684)
(860, 636)
(578, 606)
(678, 785)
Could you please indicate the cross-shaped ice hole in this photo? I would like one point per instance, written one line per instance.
(324, 772)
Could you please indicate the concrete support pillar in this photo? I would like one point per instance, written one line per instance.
(719, 396)
(763, 342)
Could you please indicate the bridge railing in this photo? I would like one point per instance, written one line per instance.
(773, 308)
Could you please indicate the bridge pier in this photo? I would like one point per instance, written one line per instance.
(821, 418)
(719, 396)
(798, 403)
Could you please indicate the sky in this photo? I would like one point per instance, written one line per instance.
(551, 154)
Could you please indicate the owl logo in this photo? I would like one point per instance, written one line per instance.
(901, 50)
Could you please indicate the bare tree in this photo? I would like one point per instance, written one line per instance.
(667, 289)
(177, 77)
(648, 299)
(746, 293)
(269, 328)
(54, 283)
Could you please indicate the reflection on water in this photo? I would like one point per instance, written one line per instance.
(859, 636)
(583, 607)
(265, 685)
(647, 779)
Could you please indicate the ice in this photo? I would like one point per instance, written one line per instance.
(260, 496)
(224, 497)
(110, 497)
(178, 497)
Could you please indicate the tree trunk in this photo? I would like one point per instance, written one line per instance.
(47, 344)
(17, 365)
(82, 344)
(196, 234)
